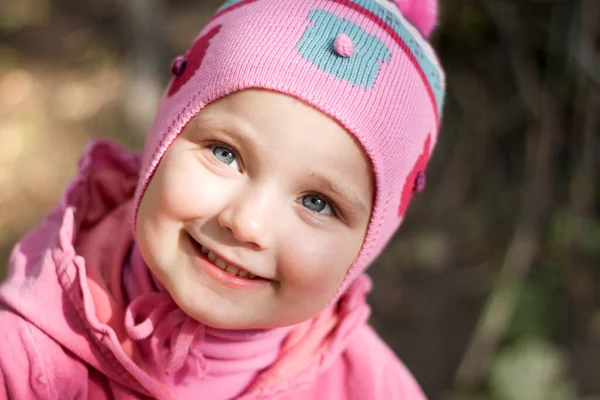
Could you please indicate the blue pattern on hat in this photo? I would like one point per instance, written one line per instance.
(316, 45)
(328, 61)
(430, 69)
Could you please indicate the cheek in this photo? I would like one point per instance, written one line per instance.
(317, 263)
(189, 191)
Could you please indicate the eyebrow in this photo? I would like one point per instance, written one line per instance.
(340, 191)
(228, 129)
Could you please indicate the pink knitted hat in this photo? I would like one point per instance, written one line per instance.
(365, 63)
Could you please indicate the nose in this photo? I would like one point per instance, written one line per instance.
(248, 218)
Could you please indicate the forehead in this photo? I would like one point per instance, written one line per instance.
(273, 120)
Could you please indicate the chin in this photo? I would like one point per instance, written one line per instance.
(205, 312)
(219, 322)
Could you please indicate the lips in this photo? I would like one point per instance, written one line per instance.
(224, 265)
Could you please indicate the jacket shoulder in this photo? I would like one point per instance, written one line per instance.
(366, 370)
(33, 366)
(375, 370)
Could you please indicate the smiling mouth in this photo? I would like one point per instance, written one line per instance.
(224, 265)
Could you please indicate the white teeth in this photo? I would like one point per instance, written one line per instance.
(224, 266)
(232, 270)
(212, 256)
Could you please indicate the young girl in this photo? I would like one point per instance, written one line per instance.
(227, 261)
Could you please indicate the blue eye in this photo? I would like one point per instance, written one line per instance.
(317, 204)
(226, 156)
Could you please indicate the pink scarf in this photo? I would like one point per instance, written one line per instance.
(185, 354)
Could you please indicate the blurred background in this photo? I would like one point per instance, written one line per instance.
(491, 290)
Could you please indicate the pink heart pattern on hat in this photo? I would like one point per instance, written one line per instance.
(418, 170)
(194, 57)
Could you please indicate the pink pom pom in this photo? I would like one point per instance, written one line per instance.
(343, 45)
(423, 14)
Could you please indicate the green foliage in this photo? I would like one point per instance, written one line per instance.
(463, 24)
(590, 237)
(537, 309)
(584, 233)
(532, 369)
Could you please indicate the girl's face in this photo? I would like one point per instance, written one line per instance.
(256, 212)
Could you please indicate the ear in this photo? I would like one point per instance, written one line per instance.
(423, 14)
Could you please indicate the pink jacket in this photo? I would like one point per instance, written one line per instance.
(57, 343)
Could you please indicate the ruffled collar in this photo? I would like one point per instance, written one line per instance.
(179, 350)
